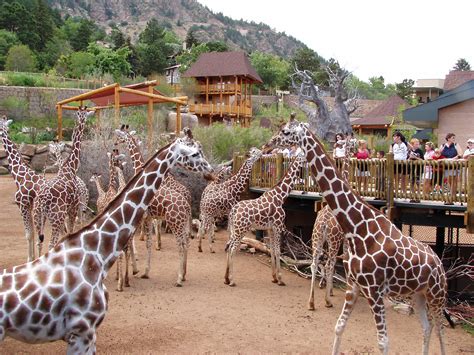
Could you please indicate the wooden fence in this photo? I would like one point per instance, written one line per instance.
(443, 181)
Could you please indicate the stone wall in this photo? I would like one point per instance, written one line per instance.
(41, 101)
(36, 156)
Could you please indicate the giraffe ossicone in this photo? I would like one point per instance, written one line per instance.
(381, 260)
(61, 295)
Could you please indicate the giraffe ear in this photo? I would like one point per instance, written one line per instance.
(133, 133)
(120, 156)
(120, 132)
(109, 155)
(8, 122)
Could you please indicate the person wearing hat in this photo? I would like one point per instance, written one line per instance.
(470, 149)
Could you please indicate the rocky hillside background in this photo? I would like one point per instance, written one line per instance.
(131, 16)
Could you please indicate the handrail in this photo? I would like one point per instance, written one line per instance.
(430, 180)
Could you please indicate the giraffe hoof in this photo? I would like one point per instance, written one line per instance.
(135, 272)
(119, 289)
(281, 283)
(328, 304)
(311, 307)
(144, 276)
(232, 284)
(177, 284)
(226, 281)
(200, 250)
(274, 281)
(213, 252)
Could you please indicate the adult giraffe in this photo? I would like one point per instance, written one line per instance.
(61, 295)
(27, 182)
(381, 260)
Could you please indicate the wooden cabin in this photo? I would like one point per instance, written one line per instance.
(224, 87)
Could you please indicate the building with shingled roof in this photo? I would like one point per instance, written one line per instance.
(224, 87)
(380, 119)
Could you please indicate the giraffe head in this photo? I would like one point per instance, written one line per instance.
(189, 155)
(56, 148)
(254, 154)
(95, 177)
(124, 136)
(83, 114)
(4, 123)
(290, 134)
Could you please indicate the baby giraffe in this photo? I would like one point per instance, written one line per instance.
(265, 212)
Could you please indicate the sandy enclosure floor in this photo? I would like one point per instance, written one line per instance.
(153, 316)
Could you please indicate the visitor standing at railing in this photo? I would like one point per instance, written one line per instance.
(470, 149)
(452, 151)
(415, 154)
(399, 148)
(339, 150)
(428, 175)
(362, 166)
(438, 171)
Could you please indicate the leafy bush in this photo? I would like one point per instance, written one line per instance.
(15, 107)
(220, 142)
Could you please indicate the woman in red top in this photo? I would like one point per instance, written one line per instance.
(362, 166)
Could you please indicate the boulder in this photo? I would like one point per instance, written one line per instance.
(4, 162)
(39, 161)
(4, 171)
(42, 148)
(51, 169)
(27, 149)
(187, 120)
(3, 153)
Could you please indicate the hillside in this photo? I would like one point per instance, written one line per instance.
(131, 17)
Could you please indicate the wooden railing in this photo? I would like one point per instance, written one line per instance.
(217, 88)
(215, 109)
(443, 180)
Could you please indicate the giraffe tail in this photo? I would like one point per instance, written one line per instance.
(449, 319)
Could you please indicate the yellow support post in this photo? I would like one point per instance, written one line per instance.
(60, 122)
(116, 106)
(469, 214)
(279, 167)
(178, 119)
(150, 119)
(389, 185)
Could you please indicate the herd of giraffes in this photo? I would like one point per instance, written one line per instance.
(60, 295)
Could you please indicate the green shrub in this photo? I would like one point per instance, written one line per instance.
(220, 142)
(15, 107)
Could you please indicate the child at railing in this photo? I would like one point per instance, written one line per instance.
(438, 171)
(362, 167)
(415, 154)
(452, 151)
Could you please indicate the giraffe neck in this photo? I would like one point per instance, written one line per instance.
(72, 161)
(283, 188)
(135, 153)
(18, 168)
(100, 190)
(348, 208)
(121, 178)
(239, 180)
(112, 174)
(108, 234)
(346, 161)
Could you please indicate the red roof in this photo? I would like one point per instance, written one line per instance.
(456, 78)
(223, 64)
(106, 98)
(383, 113)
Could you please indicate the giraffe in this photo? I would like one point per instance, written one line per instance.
(105, 196)
(381, 261)
(264, 212)
(326, 230)
(58, 198)
(27, 182)
(56, 148)
(61, 295)
(170, 205)
(218, 199)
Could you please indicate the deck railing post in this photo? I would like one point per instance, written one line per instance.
(469, 214)
(279, 167)
(389, 185)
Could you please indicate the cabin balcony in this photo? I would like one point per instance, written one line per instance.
(218, 88)
(221, 109)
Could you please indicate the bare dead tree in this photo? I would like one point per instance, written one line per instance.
(325, 123)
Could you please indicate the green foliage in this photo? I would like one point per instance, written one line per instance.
(220, 142)
(405, 89)
(217, 46)
(278, 116)
(20, 58)
(7, 40)
(108, 61)
(79, 64)
(54, 49)
(273, 70)
(307, 59)
(468, 327)
(375, 89)
(462, 65)
(117, 38)
(187, 58)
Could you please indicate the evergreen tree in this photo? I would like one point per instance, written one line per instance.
(191, 39)
(405, 89)
(7, 40)
(462, 65)
(117, 38)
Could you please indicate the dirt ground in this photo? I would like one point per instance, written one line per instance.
(206, 316)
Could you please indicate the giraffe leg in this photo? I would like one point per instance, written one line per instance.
(377, 307)
(28, 222)
(158, 223)
(329, 274)
(84, 344)
(421, 308)
(352, 294)
(314, 269)
(202, 230)
(182, 267)
(211, 233)
(133, 255)
(276, 252)
(119, 273)
(126, 280)
(149, 243)
(142, 229)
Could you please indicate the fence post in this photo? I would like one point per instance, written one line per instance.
(235, 162)
(389, 188)
(279, 166)
(469, 214)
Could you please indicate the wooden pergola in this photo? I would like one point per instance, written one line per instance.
(116, 96)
